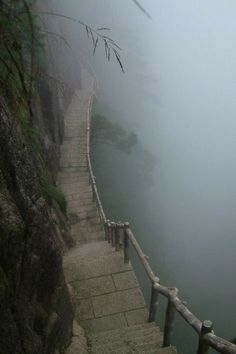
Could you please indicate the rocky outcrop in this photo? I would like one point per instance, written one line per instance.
(36, 313)
(35, 307)
(36, 310)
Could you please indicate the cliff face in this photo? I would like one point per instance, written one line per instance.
(36, 313)
(36, 85)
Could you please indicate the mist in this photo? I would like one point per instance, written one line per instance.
(178, 94)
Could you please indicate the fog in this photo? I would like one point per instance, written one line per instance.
(178, 94)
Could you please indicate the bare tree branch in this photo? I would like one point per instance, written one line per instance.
(142, 8)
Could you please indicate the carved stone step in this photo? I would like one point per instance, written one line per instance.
(109, 334)
(140, 336)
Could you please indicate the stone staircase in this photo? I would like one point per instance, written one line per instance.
(109, 304)
(142, 339)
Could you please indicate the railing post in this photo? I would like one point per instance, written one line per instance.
(109, 232)
(207, 327)
(90, 179)
(170, 317)
(117, 235)
(106, 230)
(113, 230)
(93, 187)
(153, 302)
(126, 243)
(87, 159)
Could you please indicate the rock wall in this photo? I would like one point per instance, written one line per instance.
(35, 308)
(36, 312)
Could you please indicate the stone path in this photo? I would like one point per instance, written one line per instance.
(109, 302)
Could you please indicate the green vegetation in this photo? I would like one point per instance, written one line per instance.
(51, 193)
(33, 136)
(30, 132)
(20, 40)
(105, 132)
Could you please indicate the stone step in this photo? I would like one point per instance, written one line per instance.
(135, 335)
(89, 261)
(85, 203)
(71, 148)
(87, 210)
(68, 179)
(144, 349)
(88, 214)
(102, 248)
(88, 239)
(78, 165)
(113, 333)
(77, 191)
(64, 174)
(74, 143)
(129, 346)
(89, 234)
(79, 243)
(92, 221)
(75, 161)
(75, 206)
(82, 192)
(87, 229)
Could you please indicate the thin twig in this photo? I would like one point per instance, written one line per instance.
(142, 8)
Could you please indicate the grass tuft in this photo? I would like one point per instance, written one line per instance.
(51, 192)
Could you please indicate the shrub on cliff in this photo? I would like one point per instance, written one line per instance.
(51, 193)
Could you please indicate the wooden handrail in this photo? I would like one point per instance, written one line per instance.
(219, 344)
(175, 303)
(142, 256)
(206, 336)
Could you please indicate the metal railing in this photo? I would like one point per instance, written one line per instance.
(120, 237)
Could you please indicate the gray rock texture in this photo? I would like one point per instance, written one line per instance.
(36, 312)
(35, 308)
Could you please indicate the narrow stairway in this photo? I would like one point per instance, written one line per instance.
(109, 302)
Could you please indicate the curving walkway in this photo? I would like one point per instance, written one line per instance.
(109, 302)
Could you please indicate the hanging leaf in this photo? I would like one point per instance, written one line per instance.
(119, 62)
(92, 36)
(103, 29)
(106, 48)
(95, 46)
(87, 30)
